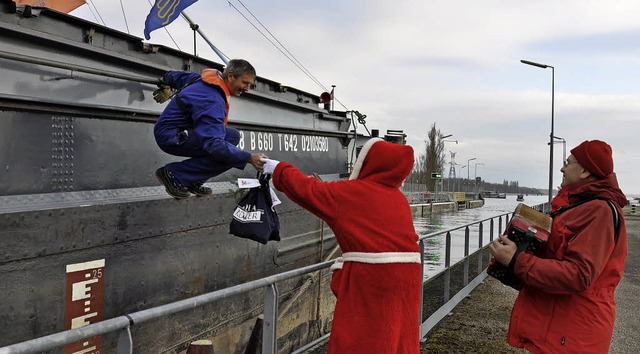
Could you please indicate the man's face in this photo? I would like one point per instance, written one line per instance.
(573, 172)
(239, 84)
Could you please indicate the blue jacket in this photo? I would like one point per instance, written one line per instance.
(207, 106)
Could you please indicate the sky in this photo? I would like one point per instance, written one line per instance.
(456, 63)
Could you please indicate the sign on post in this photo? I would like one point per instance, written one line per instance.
(84, 303)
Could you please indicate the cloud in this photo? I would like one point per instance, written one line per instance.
(410, 63)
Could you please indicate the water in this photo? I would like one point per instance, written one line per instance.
(435, 246)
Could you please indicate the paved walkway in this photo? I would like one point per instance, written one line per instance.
(625, 334)
(479, 323)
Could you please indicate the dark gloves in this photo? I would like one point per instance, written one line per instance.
(163, 93)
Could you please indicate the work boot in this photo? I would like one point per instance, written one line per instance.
(172, 187)
(200, 190)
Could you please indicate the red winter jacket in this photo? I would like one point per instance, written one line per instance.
(567, 303)
(377, 280)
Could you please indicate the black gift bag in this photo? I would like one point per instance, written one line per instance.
(254, 217)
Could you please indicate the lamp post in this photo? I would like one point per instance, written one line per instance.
(544, 66)
(468, 161)
(476, 168)
(441, 141)
(559, 140)
(564, 148)
(459, 178)
(475, 176)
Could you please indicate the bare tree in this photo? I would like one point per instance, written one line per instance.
(431, 160)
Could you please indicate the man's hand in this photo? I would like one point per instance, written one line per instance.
(255, 161)
(269, 165)
(503, 249)
(163, 93)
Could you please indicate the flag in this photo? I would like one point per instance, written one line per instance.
(163, 13)
(65, 6)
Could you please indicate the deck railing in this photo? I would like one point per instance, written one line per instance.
(122, 324)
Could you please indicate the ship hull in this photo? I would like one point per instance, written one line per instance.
(78, 194)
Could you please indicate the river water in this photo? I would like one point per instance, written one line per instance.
(435, 246)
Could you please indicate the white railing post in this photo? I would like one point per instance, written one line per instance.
(125, 343)
(270, 326)
(465, 281)
(447, 266)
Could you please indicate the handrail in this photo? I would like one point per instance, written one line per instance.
(76, 67)
(123, 323)
(150, 80)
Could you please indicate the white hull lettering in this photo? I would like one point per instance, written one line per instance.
(265, 142)
(315, 143)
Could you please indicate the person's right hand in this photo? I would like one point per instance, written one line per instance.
(255, 161)
(162, 94)
(269, 165)
(503, 249)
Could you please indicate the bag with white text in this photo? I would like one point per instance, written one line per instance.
(254, 217)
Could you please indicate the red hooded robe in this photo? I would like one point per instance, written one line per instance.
(377, 280)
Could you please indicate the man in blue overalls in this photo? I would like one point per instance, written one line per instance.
(194, 124)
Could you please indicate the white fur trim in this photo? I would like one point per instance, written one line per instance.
(360, 159)
(377, 258)
(337, 265)
(382, 257)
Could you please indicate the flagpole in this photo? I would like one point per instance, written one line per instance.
(222, 56)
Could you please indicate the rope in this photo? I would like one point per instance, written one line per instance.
(125, 17)
(98, 12)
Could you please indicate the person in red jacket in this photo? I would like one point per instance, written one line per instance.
(567, 302)
(377, 280)
(561, 199)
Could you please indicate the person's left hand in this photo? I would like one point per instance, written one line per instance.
(503, 249)
(269, 165)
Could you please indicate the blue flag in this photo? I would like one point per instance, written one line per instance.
(163, 13)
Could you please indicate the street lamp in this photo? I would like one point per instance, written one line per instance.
(544, 66)
(442, 141)
(459, 178)
(475, 182)
(564, 149)
(476, 168)
(468, 161)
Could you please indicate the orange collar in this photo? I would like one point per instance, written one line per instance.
(214, 77)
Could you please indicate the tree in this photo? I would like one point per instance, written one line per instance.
(432, 160)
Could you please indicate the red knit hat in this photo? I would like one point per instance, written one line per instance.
(595, 156)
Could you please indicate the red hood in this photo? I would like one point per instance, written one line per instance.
(606, 187)
(383, 163)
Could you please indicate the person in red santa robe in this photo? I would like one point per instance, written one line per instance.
(377, 280)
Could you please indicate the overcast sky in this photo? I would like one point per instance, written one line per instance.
(409, 64)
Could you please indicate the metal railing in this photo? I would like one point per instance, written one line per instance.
(465, 262)
(122, 324)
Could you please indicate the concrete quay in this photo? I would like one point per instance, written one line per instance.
(426, 209)
(479, 323)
